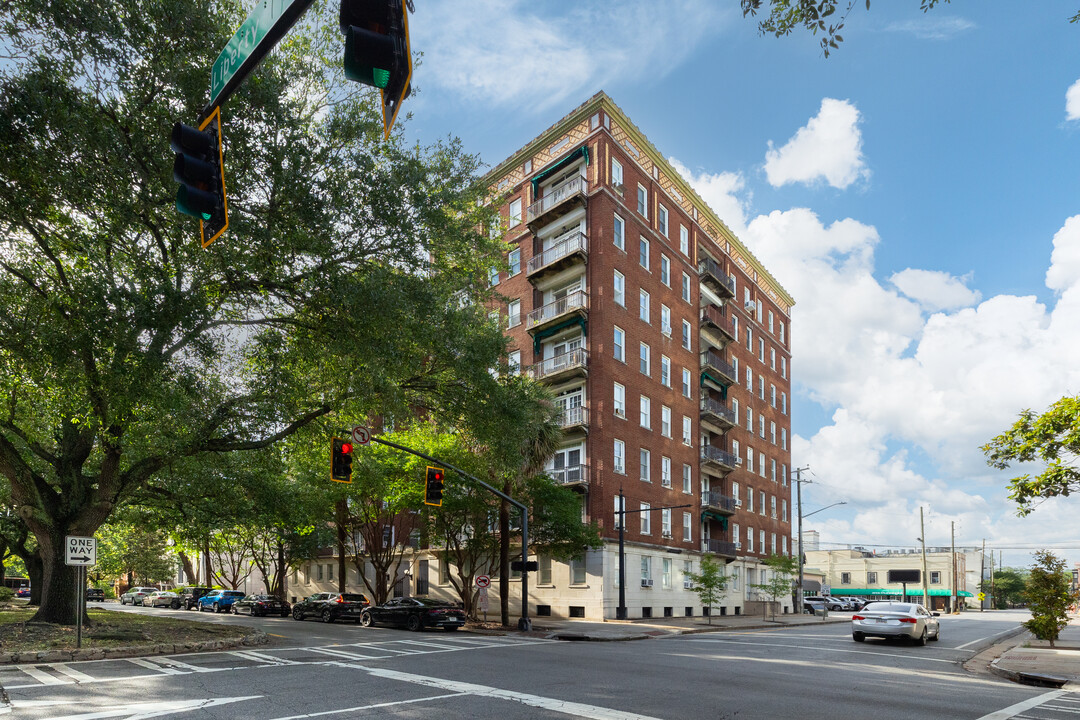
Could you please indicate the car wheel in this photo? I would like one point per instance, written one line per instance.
(937, 635)
(233, 610)
(297, 614)
(217, 608)
(858, 637)
(921, 640)
(122, 601)
(413, 623)
(175, 605)
(366, 620)
(327, 616)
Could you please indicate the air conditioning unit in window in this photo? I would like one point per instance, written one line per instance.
(619, 188)
(619, 413)
(738, 502)
(738, 546)
(666, 536)
(619, 469)
(646, 582)
(750, 306)
(688, 584)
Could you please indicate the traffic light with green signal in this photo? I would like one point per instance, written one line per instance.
(377, 51)
(433, 487)
(199, 167)
(340, 461)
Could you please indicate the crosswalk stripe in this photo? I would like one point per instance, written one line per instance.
(437, 646)
(153, 666)
(261, 657)
(185, 666)
(72, 673)
(343, 654)
(41, 676)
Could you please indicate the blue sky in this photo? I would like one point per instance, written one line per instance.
(918, 192)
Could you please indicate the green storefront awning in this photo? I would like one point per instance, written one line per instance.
(581, 152)
(557, 328)
(897, 591)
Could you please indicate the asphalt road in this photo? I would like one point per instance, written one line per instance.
(314, 670)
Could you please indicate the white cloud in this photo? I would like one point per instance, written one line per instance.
(936, 27)
(720, 192)
(829, 147)
(552, 57)
(935, 290)
(1072, 102)
(1064, 271)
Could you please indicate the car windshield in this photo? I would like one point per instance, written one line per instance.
(890, 607)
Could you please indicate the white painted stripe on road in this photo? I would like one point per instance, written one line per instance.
(153, 709)
(988, 637)
(1014, 710)
(368, 707)
(72, 673)
(814, 647)
(153, 666)
(43, 677)
(437, 646)
(185, 666)
(343, 654)
(1061, 708)
(261, 657)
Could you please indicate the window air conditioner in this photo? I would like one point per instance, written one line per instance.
(750, 305)
(738, 546)
(646, 582)
(738, 502)
(620, 414)
(666, 536)
(688, 584)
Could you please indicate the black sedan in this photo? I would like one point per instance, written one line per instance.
(95, 595)
(329, 607)
(260, 605)
(415, 614)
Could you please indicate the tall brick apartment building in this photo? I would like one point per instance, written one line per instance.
(667, 345)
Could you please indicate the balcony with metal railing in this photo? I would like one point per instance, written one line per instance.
(710, 273)
(719, 370)
(575, 303)
(566, 250)
(712, 318)
(561, 367)
(723, 548)
(556, 202)
(717, 502)
(713, 412)
(572, 476)
(717, 460)
(575, 418)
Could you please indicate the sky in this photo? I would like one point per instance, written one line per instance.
(917, 192)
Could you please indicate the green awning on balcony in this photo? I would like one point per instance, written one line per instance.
(721, 383)
(722, 519)
(557, 328)
(581, 152)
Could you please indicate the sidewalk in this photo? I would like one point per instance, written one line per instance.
(1027, 660)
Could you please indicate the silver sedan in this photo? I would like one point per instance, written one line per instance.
(895, 619)
(160, 598)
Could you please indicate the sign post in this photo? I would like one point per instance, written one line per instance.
(483, 582)
(80, 552)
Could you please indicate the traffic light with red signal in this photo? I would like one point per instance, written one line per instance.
(341, 460)
(377, 50)
(433, 487)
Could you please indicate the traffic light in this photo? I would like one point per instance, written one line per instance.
(199, 167)
(433, 487)
(340, 461)
(377, 50)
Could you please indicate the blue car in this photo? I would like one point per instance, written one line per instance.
(219, 600)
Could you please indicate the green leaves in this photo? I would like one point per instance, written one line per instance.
(1050, 595)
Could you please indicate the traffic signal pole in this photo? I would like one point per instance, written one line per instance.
(524, 623)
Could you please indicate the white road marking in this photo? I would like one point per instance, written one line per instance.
(343, 654)
(1014, 710)
(813, 647)
(43, 677)
(141, 711)
(185, 666)
(430, 644)
(988, 637)
(261, 657)
(368, 707)
(72, 673)
(153, 666)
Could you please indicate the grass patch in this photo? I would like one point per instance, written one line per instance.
(108, 629)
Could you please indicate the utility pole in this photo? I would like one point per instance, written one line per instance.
(982, 577)
(798, 494)
(952, 562)
(993, 598)
(925, 579)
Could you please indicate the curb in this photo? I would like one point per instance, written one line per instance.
(257, 637)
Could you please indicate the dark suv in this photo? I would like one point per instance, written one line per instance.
(187, 597)
(329, 607)
(95, 595)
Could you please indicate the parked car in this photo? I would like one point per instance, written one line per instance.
(895, 619)
(188, 597)
(95, 595)
(828, 601)
(219, 600)
(260, 605)
(415, 614)
(856, 602)
(813, 607)
(23, 592)
(160, 598)
(136, 595)
(329, 607)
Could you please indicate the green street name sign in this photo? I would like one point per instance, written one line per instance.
(268, 21)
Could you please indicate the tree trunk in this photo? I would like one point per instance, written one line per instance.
(280, 582)
(341, 516)
(504, 559)
(58, 600)
(189, 569)
(35, 570)
(206, 559)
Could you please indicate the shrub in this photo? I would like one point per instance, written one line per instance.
(6, 594)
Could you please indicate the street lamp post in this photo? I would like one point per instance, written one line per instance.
(798, 495)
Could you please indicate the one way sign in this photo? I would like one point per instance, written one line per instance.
(80, 550)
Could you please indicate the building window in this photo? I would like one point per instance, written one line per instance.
(772, 358)
(871, 578)
(772, 469)
(493, 276)
(514, 362)
(761, 502)
(783, 403)
(845, 578)
(577, 570)
(772, 394)
(646, 569)
(643, 252)
(686, 334)
(687, 431)
(665, 471)
(665, 270)
(515, 262)
(643, 353)
(661, 220)
(619, 514)
(935, 577)
(620, 457)
(515, 212)
(761, 540)
(686, 382)
(783, 508)
(513, 313)
(783, 542)
(749, 490)
(646, 521)
(665, 371)
(783, 438)
(772, 543)
(772, 434)
(620, 400)
(761, 426)
(620, 341)
(616, 175)
(684, 240)
(665, 320)
(783, 474)
(642, 201)
(750, 539)
(646, 413)
(687, 528)
(772, 506)
(665, 421)
(646, 465)
(750, 419)
(620, 288)
(761, 464)
(319, 570)
(781, 333)
(783, 368)
(665, 523)
(686, 287)
(761, 350)
(544, 571)
(643, 305)
(619, 235)
(749, 379)
(761, 386)
(687, 481)
(750, 339)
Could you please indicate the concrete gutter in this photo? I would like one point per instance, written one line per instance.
(255, 637)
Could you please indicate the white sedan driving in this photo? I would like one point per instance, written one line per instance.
(895, 619)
